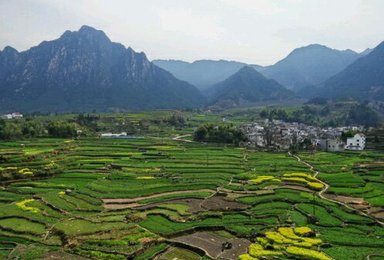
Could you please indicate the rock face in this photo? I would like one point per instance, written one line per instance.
(84, 71)
(309, 66)
(362, 80)
(248, 86)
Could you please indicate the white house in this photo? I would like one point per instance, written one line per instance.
(122, 134)
(6, 116)
(14, 115)
(356, 143)
(331, 145)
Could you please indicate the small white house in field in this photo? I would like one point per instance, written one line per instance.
(357, 142)
(122, 134)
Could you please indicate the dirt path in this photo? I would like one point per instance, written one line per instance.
(180, 138)
(326, 187)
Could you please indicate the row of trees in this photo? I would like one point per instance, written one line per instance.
(89, 124)
(27, 128)
(219, 134)
(358, 114)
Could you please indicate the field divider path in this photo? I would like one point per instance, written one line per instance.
(136, 199)
(326, 187)
(374, 255)
(180, 138)
(49, 231)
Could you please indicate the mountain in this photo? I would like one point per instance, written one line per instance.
(366, 52)
(362, 80)
(309, 65)
(248, 86)
(305, 66)
(83, 71)
(202, 73)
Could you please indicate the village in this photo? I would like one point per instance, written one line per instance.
(280, 135)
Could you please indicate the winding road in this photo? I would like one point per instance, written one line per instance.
(326, 187)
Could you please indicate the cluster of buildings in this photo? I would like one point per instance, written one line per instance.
(14, 115)
(281, 135)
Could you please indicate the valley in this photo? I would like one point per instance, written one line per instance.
(166, 196)
(201, 130)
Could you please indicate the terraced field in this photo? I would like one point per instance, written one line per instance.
(153, 198)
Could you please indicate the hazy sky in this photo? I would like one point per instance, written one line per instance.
(253, 31)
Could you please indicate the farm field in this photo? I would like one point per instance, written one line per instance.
(161, 198)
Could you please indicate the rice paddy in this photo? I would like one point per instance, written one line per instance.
(158, 198)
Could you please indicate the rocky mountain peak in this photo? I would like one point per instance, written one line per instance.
(86, 34)
(9, 50)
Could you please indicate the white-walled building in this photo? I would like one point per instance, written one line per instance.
(356, 142)
(14, 115)
(122, 134)
(331, 145)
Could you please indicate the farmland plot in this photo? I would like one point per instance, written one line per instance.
(153, 198)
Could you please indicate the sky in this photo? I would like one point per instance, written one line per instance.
(252, 31)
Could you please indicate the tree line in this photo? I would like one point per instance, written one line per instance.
(86, 124)
(219, 134)
(28, 128)
(358, 114)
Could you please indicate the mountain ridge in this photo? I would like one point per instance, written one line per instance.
(248, 86)
(303, 66)
(202, 73)
(84, 70)
(309, 65)
(362, 80)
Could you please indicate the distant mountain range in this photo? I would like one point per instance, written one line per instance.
(248, 86)
(202, 73)
(305, 66)
(309, 66)
(84, 71)
(362, 80)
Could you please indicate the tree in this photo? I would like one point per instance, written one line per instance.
(264, 113)
(219, 134)
(31, 128)
(346, 135)
(363, 115)
(10, 130)
(88, 120)
(61, 129)
(176, 119)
